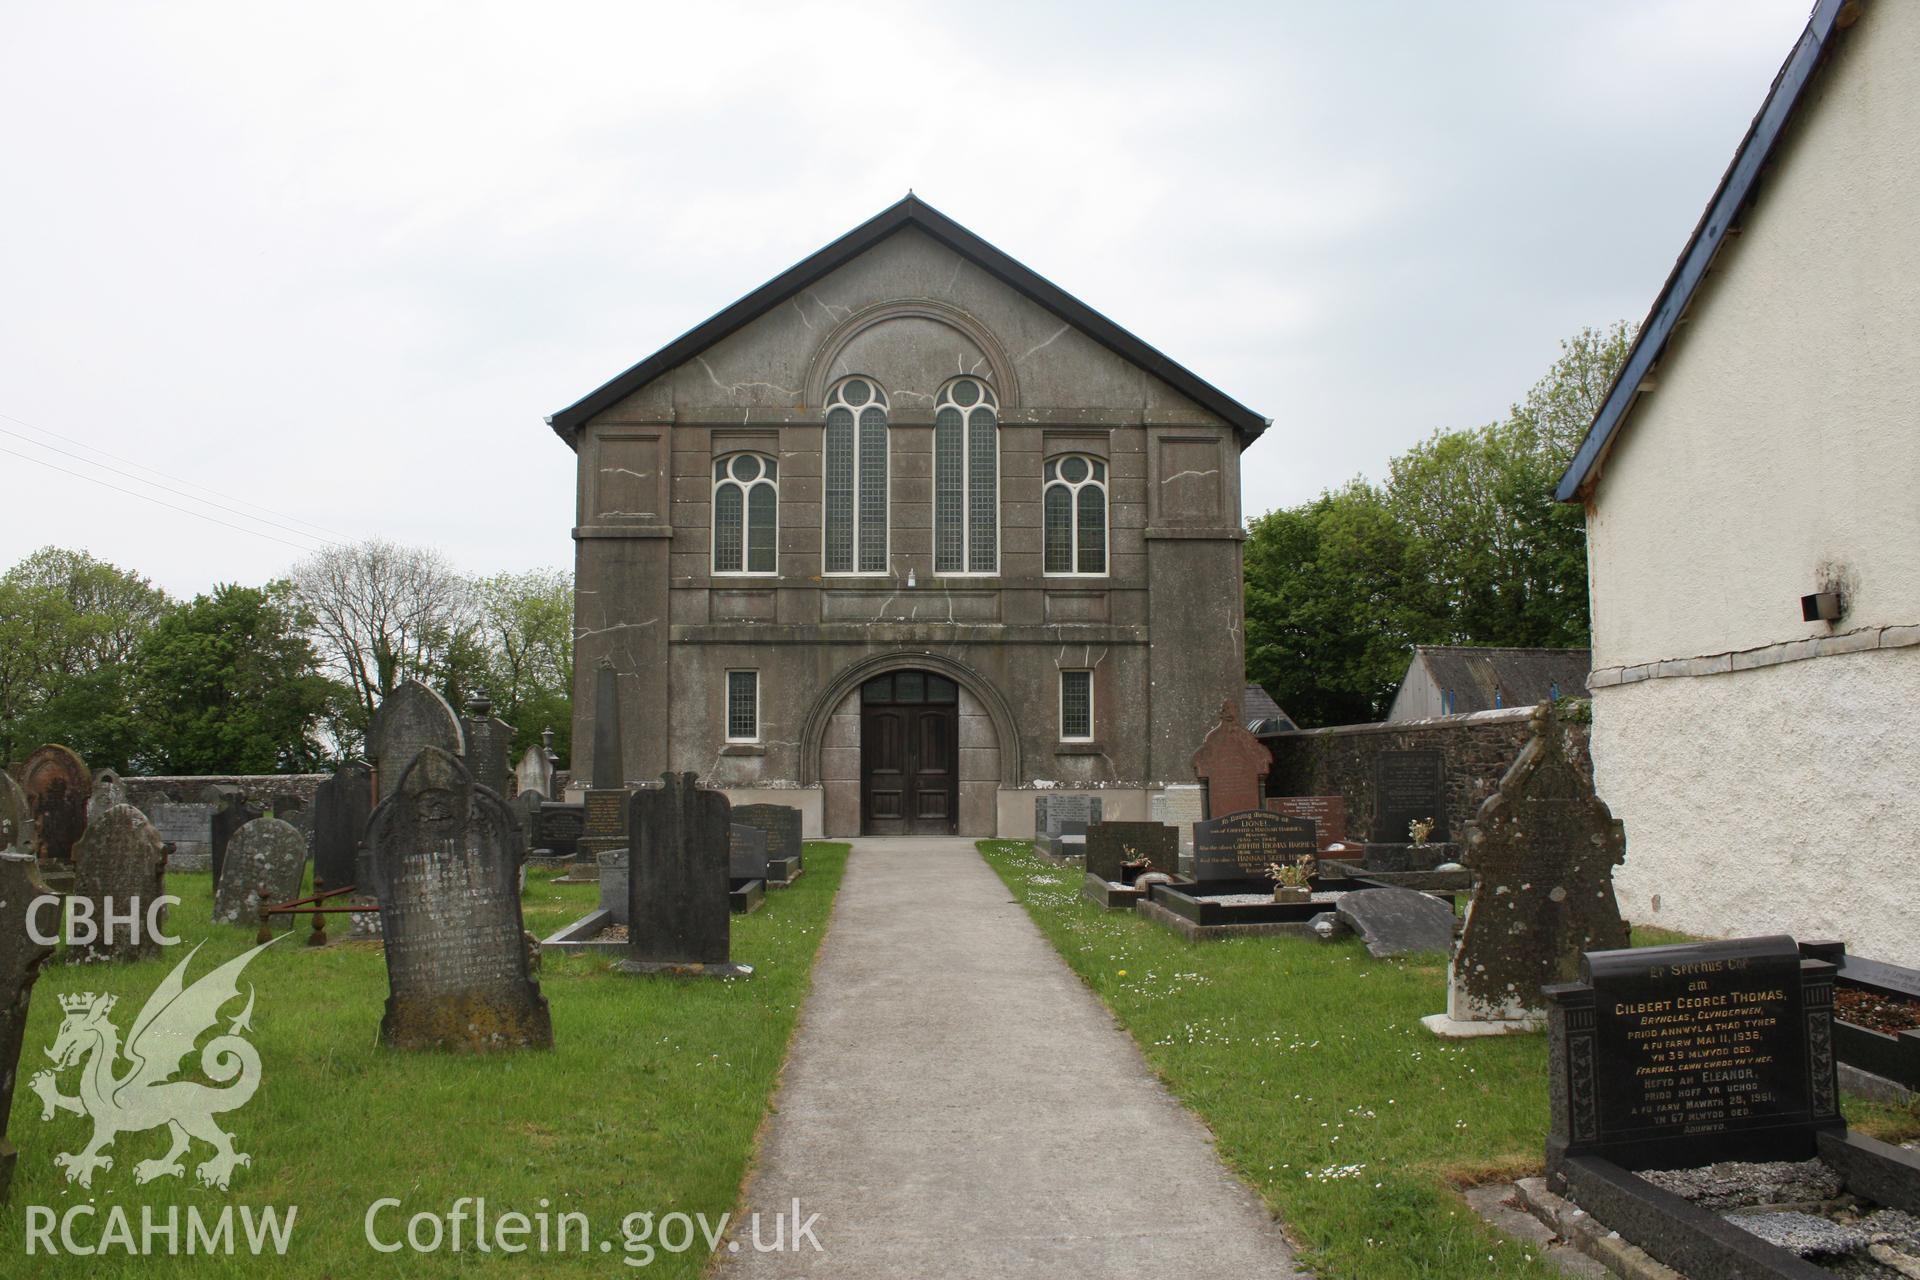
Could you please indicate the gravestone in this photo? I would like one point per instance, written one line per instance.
(534, 772)
(1327, 813)
(21, 958)
(342, 806)
(615, 896)
(1060, 822)
(604, 820)
(559, 828)
(58, 787)
(489, 742)
(1680, 1056)
(109, 789)
(1408, 787)
(411, 719)
(265, 864)
(782, 826)
(230, 813)
(1111, 845)
(1233, 765)
(1393, 921)
(1239, 846)
(678, 890)
(1179, 805)
(746, 852)
(16, 816)
(443, 867)
(285, 805)
(122, 870)
(188, 827)
(1543, 848)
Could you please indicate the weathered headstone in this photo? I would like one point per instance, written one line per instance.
(1409, 787)
(58, 786)
(1239, 846)
(444, 870)
(604, 824)
(782, 824)
(534, 772)
(21, 959)
(264, 867)
(16, 816)
(188, 827)
(121, 870)
(615, 896)
(489, 742)
(746, 852)
(1232, 763)
(1543, 848)
(341, 807)
(411, 719)
(1327, 813)
(230, 813)
(1112, 845)
(1179, 805)
(109, 789)
(680, 918)
(1393, 921)
(1675, 1057)
(1056, 815)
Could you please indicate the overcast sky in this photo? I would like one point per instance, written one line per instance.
(338, 261)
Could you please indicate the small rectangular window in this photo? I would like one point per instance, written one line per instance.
(743, 706)
(1076, 706)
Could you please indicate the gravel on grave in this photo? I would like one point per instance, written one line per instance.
(1735, 1184)
(1853, 1244)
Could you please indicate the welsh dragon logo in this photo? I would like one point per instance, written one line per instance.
(143, 1096)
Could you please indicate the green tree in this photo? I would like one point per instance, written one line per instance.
(231, 685)
(70, 629)
(525, 637)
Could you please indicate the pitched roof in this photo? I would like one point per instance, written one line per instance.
(1481, 679)
(915, 212)
(1730, 198)
(1262, 714)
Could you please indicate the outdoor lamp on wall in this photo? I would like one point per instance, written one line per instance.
(1821, 606)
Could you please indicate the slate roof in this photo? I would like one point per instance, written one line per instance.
(1738, 188)
(915, 212)
(1261, 714)
(1481, 679)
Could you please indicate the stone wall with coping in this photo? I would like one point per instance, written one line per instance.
(1475, 750)
(260, 789)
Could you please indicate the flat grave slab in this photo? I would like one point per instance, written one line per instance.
(1393, 921)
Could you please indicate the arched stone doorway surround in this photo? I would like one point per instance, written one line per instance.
(989, 742)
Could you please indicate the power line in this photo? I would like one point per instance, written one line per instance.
(191, 484)
(298, 533)
(134, 493)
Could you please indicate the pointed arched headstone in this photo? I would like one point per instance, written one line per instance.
(122, 871)
(412, 718)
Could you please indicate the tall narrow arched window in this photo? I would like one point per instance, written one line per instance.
(966, 479)
(1074, 509)
(746, 514)
(855, 523)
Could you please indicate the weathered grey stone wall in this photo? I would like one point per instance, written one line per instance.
(260, 789)
(1475, 752)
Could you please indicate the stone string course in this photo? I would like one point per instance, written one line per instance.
(1772, 655)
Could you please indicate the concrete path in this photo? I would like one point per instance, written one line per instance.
(959, 1104)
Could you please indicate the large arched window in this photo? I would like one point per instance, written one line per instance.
(1074, 502)
(746, 513)
(966, 479)
(855, 521)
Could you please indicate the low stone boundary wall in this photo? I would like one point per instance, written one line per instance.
(175, 806)
(1475, 751)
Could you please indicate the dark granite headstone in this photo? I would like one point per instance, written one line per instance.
(781, 823)
(411, 719)
(122, 869)
(444, 870)
(746, 852)
(58, 786)
(559, 829)
(1232, 763)
(1543, 848)
(1408, 787)
(1675, 1057)
(230, 813)
(264, 867)
(1240, 845)
(1394, 921)
(342, 806)
(21, 959)
(1111, 845)
(680, 920)
(1327, 813)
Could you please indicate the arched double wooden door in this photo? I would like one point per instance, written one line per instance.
(909, 755)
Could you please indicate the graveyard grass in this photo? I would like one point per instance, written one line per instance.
(651, 1100)
(1307, 1060)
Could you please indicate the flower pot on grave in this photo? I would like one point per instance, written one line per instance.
(1291, 893)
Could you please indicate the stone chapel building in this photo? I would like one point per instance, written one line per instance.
(905, 536)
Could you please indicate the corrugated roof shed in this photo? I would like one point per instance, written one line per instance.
(1480, 679)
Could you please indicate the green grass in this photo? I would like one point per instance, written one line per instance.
(651, 1099)
(1308, 1061)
